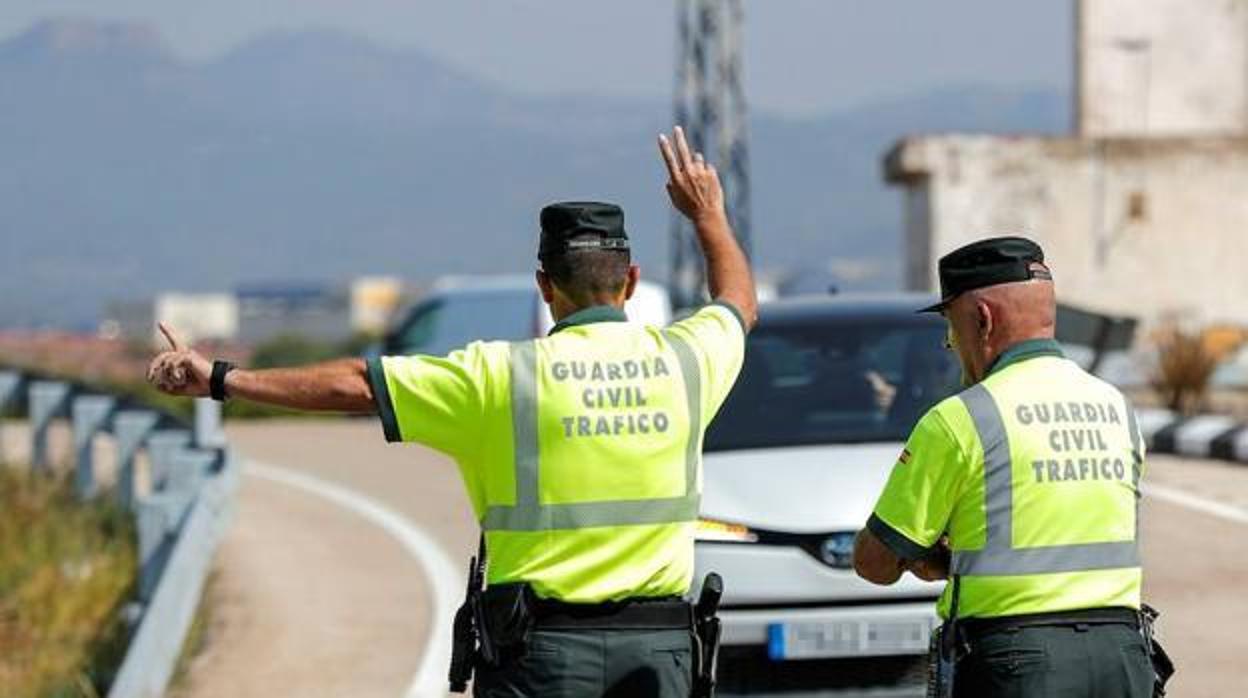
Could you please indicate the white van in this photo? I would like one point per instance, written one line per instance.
(463, 309)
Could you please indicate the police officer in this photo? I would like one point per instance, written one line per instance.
(581, 451)
(1024, 489)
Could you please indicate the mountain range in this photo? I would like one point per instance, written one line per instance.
(321, 156)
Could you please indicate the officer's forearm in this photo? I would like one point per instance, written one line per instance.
(340, 385)
(874, 562)
(727, 269)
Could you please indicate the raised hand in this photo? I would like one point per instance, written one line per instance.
(180, 370)
(693, 184)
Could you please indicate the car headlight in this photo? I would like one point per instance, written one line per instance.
(723, 532)
(837, 550)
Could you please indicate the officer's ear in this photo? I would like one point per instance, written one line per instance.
(983, 319)
(634, 275)
(546, 287)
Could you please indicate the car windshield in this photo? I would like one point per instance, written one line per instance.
(840, 381)
(452, 321)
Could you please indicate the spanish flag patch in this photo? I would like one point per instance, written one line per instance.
(904, 458)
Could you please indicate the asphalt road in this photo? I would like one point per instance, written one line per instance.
(314, 599)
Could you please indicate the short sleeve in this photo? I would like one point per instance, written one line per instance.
(913, 511)
(436, 401)
(716, 336)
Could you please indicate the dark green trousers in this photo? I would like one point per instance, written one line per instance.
(1094, 661)
(588, 662)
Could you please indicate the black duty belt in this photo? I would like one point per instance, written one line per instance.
(976, 627)
(668, 613)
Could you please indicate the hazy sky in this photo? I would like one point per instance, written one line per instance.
(802, 56)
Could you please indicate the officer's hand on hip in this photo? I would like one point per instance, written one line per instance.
(180, 370)
(692, 183)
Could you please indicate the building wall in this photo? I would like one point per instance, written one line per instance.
(1164, 67)
(374, 300)
(1141, 227)
(197, 316)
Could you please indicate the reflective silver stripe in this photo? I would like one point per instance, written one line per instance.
(629, 512)
(524, 425)
(1137, 450)
(998, 556)
(998, 474)
(693, 399)
(1137, 458)
(1079, 557)
(529, 514)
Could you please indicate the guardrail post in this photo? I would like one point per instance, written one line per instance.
(161, 446)
(190, 468)
(90, 415)
(208, 431)
(158, 518)
(10, 384)
(130, 428)
(47, 400)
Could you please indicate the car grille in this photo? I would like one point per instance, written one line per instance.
(834, 549)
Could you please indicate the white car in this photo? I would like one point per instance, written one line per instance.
(794, 462)
(462, 309)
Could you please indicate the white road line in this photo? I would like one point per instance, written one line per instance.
(443, 576)
(1191, 501)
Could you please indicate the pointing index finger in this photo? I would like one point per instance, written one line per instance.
(171, 337)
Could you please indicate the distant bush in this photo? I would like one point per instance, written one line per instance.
(291, 350)
(1185, 364)
(297, 350)
(66, 569)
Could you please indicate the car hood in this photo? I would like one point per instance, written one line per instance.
(803, 489)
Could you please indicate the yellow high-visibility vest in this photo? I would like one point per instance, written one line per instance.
(581, 451)
(1034, 475)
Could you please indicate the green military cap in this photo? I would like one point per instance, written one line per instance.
(579, 225)
(988, 262)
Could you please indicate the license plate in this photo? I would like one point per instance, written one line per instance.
(848, 638)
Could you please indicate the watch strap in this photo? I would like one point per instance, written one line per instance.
(216, 382)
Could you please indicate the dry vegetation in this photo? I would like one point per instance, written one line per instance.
(1186, 361)
(66, 569)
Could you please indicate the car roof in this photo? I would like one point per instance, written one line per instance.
(515, 283)
(848, 306)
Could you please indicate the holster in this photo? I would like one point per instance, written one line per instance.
(1163, 666)
(505, 617)
(489, 623)
(947, 648)
(707, 633)
(463, 648)
(473, 633)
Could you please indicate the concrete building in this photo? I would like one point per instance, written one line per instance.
(312, 310)
(1142, 210)
(257, 312)
(374, 300)
(197, 316)
(1161, 67)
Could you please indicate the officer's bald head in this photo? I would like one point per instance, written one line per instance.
(1026, 309)
(986, 321)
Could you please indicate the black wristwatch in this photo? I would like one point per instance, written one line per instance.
(216, 383)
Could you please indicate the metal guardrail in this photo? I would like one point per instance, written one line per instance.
(180, 521)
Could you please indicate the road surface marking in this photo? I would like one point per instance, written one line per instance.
(1191, 501)
(443, 576)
